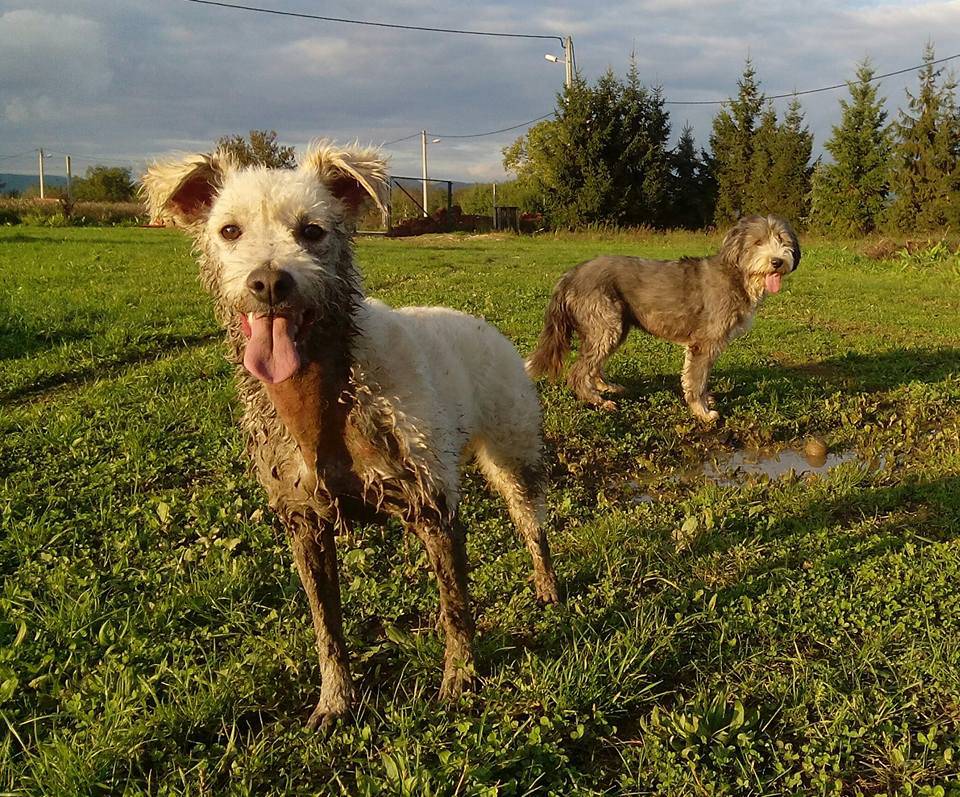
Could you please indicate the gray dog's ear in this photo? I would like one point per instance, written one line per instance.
(795, 248)
(352, 173)
(735, 241)
(182, 190)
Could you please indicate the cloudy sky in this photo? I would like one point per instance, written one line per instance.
(121, 81)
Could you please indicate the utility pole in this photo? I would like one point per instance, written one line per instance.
(41, 172)
(423, 158)
(569, 60)
(69, 179)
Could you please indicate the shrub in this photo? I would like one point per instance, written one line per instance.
(56, 213)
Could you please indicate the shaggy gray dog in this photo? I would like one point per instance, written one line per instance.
(700, 303)
(352, 410)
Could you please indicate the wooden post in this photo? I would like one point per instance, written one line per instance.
(69, 179)
(388, 213)
(41, 172)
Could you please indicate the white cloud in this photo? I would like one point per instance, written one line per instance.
(55, 51)
(192, 73)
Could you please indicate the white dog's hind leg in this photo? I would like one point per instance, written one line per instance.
(521, 486)
(446, 545)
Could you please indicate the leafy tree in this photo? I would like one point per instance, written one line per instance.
(602, 159)
(104, 184)
(849, 195)
(259, 148)
(925, 179)
(731, 144)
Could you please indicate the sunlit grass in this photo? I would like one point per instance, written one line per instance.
(798, 636)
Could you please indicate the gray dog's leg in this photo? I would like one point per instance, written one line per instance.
(586, 373)
(696, 369)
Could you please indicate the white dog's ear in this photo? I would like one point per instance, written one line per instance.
(182, 190)
(351, 174)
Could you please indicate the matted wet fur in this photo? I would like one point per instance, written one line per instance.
(353, 410)
(700, 303)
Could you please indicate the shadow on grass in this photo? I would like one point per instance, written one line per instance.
(851, 373)
(933, 505)
(107, 367)
(18, 340)
(20, 238)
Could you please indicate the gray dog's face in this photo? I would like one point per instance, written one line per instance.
(277, 241)
(765, 248)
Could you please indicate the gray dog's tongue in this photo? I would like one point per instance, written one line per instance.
(271, 354)
(772, 283)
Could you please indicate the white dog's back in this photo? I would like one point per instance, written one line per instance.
(455, 378)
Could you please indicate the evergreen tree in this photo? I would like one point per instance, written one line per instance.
(760, 191)
(646, 132)
(849, 195)
(925, 179)
(731, 143)
(691, 190)
(602, 159)
(789, 183)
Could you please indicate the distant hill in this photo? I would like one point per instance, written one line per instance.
(20, 182)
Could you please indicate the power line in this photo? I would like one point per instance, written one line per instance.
(96, 158)
(494, 132)
(18, 155)
(398, 140)
(473, 135)
(300, 15)
(822, 88)
(685, 102)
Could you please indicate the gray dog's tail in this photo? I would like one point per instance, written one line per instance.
(554, 343)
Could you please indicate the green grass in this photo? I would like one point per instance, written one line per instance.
(800, 636)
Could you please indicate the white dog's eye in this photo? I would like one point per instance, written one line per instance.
(312, 232)
(230, 232)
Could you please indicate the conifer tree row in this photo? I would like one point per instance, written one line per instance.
(605, 158)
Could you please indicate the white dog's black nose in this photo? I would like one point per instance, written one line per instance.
(776, 262)
(269, 285)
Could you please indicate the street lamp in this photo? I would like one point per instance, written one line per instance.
(568, 59)
(423, 163)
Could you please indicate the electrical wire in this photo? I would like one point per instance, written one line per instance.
(398, 140)
(18, 155)
(494, 132)
(301, 15)
(834, 87)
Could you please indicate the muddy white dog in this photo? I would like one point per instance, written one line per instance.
(353, 410)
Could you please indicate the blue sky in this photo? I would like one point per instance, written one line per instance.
(121, 81)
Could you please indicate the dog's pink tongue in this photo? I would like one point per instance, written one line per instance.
(773, 283)
(271, 354)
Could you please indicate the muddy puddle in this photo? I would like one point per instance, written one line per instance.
(733, 468)
(736, 467)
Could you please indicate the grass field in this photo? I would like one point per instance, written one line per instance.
(790, 636)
